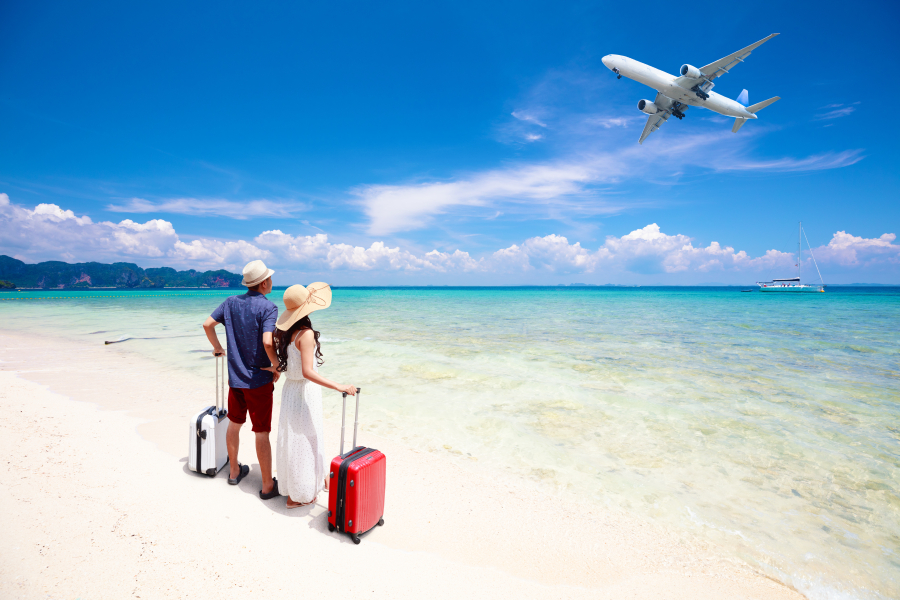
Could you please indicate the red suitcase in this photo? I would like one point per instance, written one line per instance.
(356, 485)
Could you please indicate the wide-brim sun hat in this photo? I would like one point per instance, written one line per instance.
(299, 301)
(255, 273)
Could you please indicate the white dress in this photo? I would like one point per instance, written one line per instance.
(299, 454)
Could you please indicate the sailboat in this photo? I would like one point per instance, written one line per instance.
(793, 284)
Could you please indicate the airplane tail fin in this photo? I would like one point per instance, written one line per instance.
(744, 98)
(761, 105)
(739, 121)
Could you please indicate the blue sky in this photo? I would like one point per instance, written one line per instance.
(446, 143)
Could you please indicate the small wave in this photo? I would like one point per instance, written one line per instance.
(818, 590)
(863, 349)
(698, 521)
(812, 589)
(164, 337)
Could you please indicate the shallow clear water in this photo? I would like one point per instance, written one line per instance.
(768, 423)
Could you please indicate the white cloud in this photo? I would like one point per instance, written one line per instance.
(848, 250)
(528, 118)
(609, 122)
(837, 111)
(553, 253)
(52, 212)
(212, 207)
(817, 162)
(393, 208)
(49, 232)
(457, 261)
(136, 239)
(649, 251)
(524, 127)
(315, 252)
(644, 251)
(215, 252)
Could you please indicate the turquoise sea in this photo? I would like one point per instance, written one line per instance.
(769, 424)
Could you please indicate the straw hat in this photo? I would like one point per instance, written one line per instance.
(255, 273)
(299, 301)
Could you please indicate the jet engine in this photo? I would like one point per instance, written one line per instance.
(648, 107)
(690, 71)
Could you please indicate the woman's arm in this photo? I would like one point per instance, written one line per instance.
(306, 343)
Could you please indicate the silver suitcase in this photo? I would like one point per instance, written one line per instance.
(208, 451)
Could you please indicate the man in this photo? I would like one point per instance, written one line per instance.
(249, 325)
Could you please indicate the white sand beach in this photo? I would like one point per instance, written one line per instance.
(97, 502)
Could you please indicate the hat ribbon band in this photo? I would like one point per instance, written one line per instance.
(312, 299)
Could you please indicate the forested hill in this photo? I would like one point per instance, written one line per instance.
(55, 274)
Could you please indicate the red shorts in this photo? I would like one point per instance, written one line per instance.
(258, 402)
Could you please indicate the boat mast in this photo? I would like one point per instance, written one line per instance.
(799, 248)
(814, 261)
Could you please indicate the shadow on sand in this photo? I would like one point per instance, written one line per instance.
(316, 513)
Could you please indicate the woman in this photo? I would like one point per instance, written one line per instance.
(299, 454)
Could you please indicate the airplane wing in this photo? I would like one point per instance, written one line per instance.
(654, 122)
(724, 65)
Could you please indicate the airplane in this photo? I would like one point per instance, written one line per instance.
(693, 88)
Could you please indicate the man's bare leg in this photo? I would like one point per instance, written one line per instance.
(264, 454)
(233, 441)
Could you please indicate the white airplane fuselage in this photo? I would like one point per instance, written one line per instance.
(668, 85)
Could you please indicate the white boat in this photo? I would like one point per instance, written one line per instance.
(793, 284)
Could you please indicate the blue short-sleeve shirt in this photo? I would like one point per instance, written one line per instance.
(246, 318)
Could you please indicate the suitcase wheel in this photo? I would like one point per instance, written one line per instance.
(330, 527)
(381, 521)
(355, 539)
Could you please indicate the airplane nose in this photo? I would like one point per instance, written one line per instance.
(607, 60)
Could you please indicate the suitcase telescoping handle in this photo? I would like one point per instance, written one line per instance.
(220, 384)
(355, 420)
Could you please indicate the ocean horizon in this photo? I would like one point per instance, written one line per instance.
(442, 286)
(765, 424)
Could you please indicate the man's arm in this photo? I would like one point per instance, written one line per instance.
(209, 326)
(269, 345)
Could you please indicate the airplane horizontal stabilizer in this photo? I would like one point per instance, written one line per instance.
(761, 105)
(738, 123)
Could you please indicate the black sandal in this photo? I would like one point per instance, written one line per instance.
(273, 494)
(243, 473)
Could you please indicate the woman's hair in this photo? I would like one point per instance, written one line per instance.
(283, 340)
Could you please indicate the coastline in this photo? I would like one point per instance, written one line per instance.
(101, 504)
(118, 289)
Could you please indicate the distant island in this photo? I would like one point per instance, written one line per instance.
(59, 275)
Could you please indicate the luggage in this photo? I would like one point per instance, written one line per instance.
(206, 432)
(356, 486)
